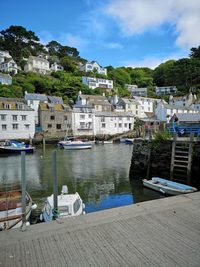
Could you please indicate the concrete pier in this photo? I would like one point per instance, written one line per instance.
(164, 232)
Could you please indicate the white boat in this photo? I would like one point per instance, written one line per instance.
(104, 142)
(68, 205)
(66, 140)
(77, 145)
(168, 187)
(11, 209)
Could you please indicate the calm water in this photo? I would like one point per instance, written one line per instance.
(100, 175)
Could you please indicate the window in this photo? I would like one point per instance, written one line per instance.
(52, 118)
(4, 127)
(82, 124)
(102, 119)
(65, 118)
(90, 116)
(27, 126)
(103, 125)
(7, 106)
(3, 117)
(120, 118)
(120, 125)
(125, 125)
(58, 126)
(15, 126)
(14, 117)
(82, 116)
(49, 126)
(24, 117)
(115, 125)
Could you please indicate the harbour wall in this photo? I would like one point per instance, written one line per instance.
(153, 158)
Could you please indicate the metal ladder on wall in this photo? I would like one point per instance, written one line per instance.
(181, 160)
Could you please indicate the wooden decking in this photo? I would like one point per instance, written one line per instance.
(164, 232)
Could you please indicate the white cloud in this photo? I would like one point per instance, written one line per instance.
(138, 16)
(72, 40)
(150, 62)
(113, 45)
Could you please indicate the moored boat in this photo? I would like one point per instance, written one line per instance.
(126, 140)
(69, 205)
(77, 145)
(15, 147)
(168, 187)
(11, 209)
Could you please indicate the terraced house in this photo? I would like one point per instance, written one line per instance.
(16, 120)
(55, 118)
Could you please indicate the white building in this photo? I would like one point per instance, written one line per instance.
(182, 101)
(147, 104)
(93, 83)
(135, 91)
(113, 123)
(165, 90)
(164, 111)
(56, 67)
(9, 66)
(4, 55)
(5, 79)
(93, 66)
(83, 120)
(16, 120)
(33, 101)
(37, 64)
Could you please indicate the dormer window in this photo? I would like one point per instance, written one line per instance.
(19, 106)
(7, 106)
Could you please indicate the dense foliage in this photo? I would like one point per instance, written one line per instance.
(183, 73)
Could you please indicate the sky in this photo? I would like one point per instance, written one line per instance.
(135, 33)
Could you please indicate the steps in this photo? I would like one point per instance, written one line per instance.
(181, 161)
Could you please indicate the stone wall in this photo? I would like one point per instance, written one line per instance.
(160, 160)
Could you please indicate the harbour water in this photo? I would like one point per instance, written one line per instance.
(100, 175)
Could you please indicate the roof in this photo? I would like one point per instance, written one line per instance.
(7, 60)
(168, 106)
(149, 98)
(55, 99)
(56, 107)
(38, 58)
(96, 99)
(114, 114)
(130, 101)
(14, 105)
(30, 96)
(188, 117)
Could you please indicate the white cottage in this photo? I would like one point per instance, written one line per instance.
(16, 120)
(37, 64)
(93, 83)
(93, 66)
(9, 66)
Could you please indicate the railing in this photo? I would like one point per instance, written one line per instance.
(186, 130)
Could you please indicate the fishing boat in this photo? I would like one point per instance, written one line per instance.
(168, 187)
(77, 145)
(11, 209)
(15, 147)
(69, 205)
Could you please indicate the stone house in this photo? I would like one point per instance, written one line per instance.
(55, 118)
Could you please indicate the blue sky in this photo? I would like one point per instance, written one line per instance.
(112, 32)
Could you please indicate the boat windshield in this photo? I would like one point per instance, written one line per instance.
(77, 205)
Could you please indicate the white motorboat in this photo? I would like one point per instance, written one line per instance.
(168, 187)
(77, 145)
(68, 205)
(11, 209)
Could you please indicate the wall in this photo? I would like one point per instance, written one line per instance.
(160, 161)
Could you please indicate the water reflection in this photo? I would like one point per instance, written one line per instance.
(99, 174)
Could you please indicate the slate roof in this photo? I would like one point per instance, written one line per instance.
(30, 96)
(56, 107)
(55, 99)
(168, 106)
(96, 99)
(188, 117)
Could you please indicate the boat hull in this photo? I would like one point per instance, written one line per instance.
(71, 146)
(9, 150)
(168, 187)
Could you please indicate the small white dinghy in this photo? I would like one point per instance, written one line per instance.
(68, 205)
(168, 187)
